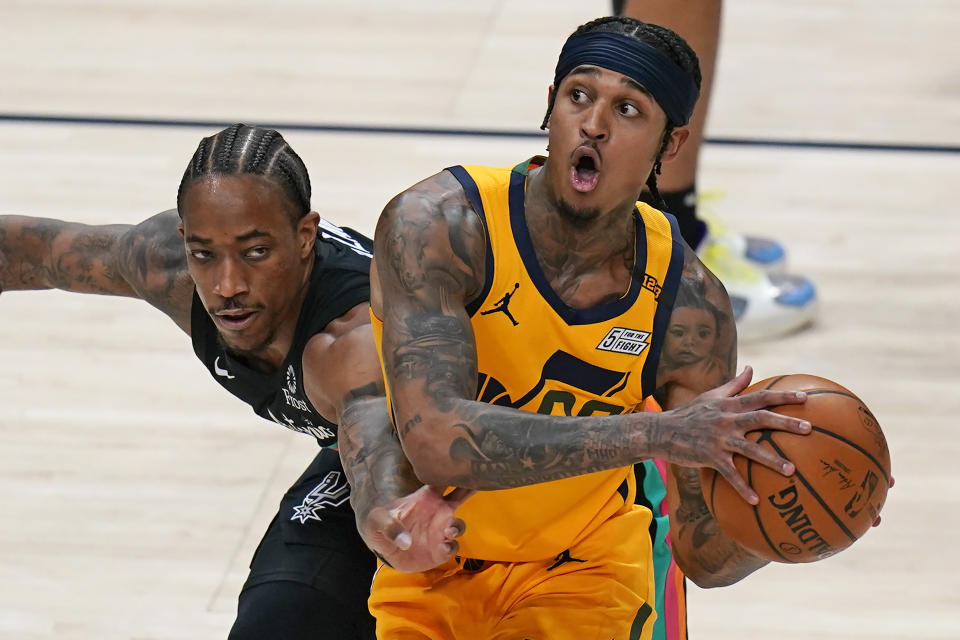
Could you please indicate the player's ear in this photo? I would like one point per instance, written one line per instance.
(551, 91)
(307, 232)
(180, 227)
(675, 142)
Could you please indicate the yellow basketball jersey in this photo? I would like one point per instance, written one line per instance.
(537, 354)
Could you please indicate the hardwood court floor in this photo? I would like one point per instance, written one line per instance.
(133, 490)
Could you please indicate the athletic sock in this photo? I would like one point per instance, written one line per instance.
(683, 206)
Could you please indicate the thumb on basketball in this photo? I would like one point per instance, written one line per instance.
(737, 384)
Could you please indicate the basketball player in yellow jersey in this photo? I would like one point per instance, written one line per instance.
(521, 314)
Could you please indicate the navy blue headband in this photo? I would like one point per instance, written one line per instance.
(672, 87)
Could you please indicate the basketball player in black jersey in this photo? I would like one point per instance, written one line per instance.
(276, 303)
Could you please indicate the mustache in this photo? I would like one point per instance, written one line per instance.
(590, 144)
(233, 304)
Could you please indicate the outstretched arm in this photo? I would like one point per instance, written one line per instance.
(410, 526)
(704, 553)
(430, 255)
(146, 260)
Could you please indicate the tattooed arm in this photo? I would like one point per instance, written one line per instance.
(343, 380)
(410, 526)
(146, 261)
(430, 260)
(699, 354)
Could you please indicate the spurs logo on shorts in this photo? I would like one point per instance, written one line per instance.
(332, 492)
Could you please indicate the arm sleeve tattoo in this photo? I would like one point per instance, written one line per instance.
(430, 249)
(702, 550)
(145, 261)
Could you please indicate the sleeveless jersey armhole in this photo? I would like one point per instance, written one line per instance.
(472, 192)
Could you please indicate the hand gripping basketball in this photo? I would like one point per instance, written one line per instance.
(711, 428)
(839, 485)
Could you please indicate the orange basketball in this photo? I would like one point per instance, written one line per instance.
(840, 484)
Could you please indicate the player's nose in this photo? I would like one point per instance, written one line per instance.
(594, 124)
(230, 280)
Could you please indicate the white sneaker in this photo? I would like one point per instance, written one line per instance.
(765, 305)
(763, 253)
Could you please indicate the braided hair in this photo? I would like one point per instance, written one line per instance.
(241, 149)
(668, 43)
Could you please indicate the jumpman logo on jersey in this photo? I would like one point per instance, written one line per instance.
(332, 492)
(562, 558)
(501, 305)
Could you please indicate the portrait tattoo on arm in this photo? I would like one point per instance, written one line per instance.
(699, 353)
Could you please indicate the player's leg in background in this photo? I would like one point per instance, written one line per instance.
(310, 577)
(766, 302)
(698, 22)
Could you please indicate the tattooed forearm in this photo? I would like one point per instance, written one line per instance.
(708, 556)
(495, 447)
(144, 261)
(376, 468)
(41, 253)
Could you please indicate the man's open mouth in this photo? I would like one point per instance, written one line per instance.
(235, 319)
(585, 172)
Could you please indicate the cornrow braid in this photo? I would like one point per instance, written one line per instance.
(241, 149)
(226, 143)
(663, 39)
(261, 151)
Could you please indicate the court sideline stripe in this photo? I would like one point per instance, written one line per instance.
(474, 133)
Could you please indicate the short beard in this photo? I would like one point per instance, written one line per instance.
(248, 355)
(581, 217)
(576, 217)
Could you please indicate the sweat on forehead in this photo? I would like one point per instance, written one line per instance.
(673, 88)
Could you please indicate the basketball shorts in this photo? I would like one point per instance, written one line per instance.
(310, 576)
(600, 589)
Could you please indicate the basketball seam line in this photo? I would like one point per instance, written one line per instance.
(756, 515)
(855, 446)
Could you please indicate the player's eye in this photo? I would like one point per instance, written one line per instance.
(200, 254)
(255, 253)
(578, 95)
(628, 109)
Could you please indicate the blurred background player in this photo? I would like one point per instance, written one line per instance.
(766, 301)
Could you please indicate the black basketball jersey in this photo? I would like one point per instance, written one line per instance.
(340, 280)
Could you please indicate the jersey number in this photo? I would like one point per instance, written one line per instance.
(567, 402)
